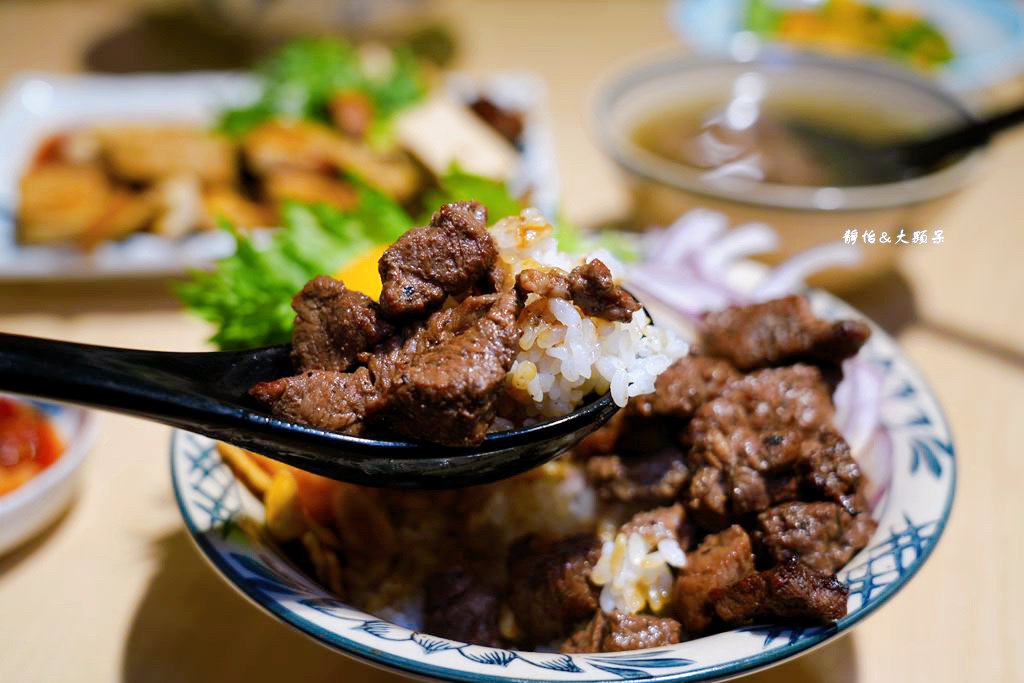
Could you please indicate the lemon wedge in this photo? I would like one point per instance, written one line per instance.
(361, 273)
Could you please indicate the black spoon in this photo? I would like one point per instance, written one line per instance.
(899, 159)
(206, 393)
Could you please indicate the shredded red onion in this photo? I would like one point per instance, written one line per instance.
(790, 276)
(876, 465)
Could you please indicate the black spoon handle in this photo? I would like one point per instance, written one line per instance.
(188, 390)
(963, 137)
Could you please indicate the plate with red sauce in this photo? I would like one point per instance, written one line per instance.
(42, 449)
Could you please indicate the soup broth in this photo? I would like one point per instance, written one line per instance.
(807, 141)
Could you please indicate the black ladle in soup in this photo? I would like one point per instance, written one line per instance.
(207, 393)
(801, 140)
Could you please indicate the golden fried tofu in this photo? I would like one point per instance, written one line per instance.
(60, 202)
(306, 186)
(393, 173)
(294, 145)
(126, 212)
(149, 154)
(312, 147)
(227, 203)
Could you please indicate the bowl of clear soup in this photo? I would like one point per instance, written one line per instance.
(729, 134)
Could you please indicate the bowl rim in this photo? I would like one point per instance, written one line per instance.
(650, 167)
(381, 657)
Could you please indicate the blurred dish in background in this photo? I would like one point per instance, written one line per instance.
(42, 448)
(967, 44)
(28, 443)
(721, 134)
(119, 176)
(852, 27)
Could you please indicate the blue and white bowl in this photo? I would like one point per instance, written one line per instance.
(911, 518)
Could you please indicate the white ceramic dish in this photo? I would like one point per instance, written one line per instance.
(35, 105)
(911, 518)
(30, 508)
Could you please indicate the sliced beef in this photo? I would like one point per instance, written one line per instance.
(590, 286)
(780, 332)
(719, 561)
(788, 591)
(333, 324)
(752, 435)
(427, 264)
(459, 606)
(618, 632)
(647, 464)
(326, 399)
(821, 535)
(684, 387)
(446, 388)
(549, 588)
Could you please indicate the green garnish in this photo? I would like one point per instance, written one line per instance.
(248, 294)
(459, 186)
(299, 81)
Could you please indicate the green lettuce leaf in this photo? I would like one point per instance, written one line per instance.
(247, 296)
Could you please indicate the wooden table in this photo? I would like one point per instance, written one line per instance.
(115, 590)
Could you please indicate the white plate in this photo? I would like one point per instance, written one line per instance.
(31, 507)
(37, 105)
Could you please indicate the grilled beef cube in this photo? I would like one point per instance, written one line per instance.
(459, 606)
(427, 264)
(549, 588)
(594, 290)
(821, 535)
(447, 392)
(684, 387)
(325, 399)
(748, 440)
(719, 561)
(759, 421)
(618, 632)
(334, 324)
(589, 286)
(550, 284)
(780, 332)
(788, 591)
(647, 464)
(829, 471)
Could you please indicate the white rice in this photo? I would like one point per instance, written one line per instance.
(565, 355)
(633, 574)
